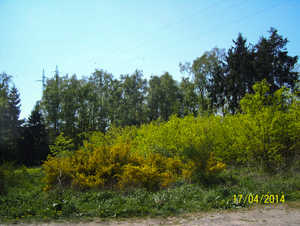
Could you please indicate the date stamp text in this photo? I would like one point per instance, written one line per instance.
(261, 199)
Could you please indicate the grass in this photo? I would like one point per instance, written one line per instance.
(24, 200)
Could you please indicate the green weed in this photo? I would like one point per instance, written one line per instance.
(217, 192)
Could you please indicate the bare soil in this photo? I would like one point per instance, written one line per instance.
(272, 214)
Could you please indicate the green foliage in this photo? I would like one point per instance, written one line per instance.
(266, 131)
(24, 206)
(32, 143)
(138, 157)
(112, 166)
(202, 70)
(189, 139)
(62, 146)
(246, 64)
(275, 124)
(7, 176)
(13, 178)
(10, 124)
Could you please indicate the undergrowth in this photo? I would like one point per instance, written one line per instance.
(28, 202)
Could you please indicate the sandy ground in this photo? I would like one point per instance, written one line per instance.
(272, 214)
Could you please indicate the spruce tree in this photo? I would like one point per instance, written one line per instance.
(33, 142)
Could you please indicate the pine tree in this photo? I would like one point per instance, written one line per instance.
(39, 134)
(4, 115)
(217, 88)
(33, 142)
(241, 74)
(14, 121)
(273, 63)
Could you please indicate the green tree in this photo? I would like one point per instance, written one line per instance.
(241, 75)
(189, 100)
(100, 83)
(84, 113)
(217, 89)
(154, 97)
(4, 114)
(169, 103)
(115, 101)
(69, 105)
(15, 123)
(51, 106)
(33, 141)
(273, 63)
(202, 71)
(133, 97)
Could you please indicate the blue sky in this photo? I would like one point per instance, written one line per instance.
(120, 36)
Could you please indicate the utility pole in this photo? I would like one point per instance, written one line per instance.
(44, 82)
(56, 102)
(56, 71)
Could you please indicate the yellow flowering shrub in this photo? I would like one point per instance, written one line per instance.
(156, 171)
(138, 176)
(189, 139)
(187, 171)
(82, 180)
(56, 168)
(214, 166)
(114, 165)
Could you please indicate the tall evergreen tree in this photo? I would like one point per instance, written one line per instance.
(33, 142)
(241, 74)
(15, 123)
(4, 114)
(217, 89)
(273, 62)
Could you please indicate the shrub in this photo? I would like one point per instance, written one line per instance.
(8, 178)
(113, 165)
(272, 126)
(62, 146)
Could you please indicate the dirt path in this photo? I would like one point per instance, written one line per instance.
(273, 214)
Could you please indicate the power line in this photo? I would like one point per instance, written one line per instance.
(178, 29)
(194, 23)
(109, 39)
(125, 30)
(150, 35)
(226, 25)
(79, 66)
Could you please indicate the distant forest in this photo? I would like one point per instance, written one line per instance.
(212, 84)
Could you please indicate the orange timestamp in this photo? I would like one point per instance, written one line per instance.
(261, 199)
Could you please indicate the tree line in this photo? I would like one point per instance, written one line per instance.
(212, 84)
